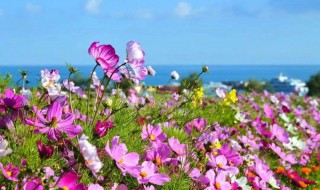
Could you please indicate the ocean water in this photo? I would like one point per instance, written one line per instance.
(217, 73)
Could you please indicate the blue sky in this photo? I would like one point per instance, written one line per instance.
(216, 32)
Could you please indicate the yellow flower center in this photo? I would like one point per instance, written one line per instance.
(152, 137)
(215, 153)
(158, 161)
(54, 122)
(220, 165)
(9, 173)
(217, 185)
(65, 188)
(88, 162)
(121, 161)
(143, 174)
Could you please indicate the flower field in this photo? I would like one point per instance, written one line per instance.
(62, 136)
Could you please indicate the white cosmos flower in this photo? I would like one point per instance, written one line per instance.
(3, 148)
(284, 117)
(89, 153)
(242, 182)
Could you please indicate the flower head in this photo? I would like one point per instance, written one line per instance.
(54, 123)
(89, 153)
(44, 150)
(105, 55)
(10, 172)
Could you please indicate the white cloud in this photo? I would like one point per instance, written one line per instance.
(92, 6)
(144, 14)
(183, 9)
(32, 8)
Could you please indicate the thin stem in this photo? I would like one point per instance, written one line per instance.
(88, 92)
(70, 99)
(104, 91)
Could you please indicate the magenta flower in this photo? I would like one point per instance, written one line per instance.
(220, 162)
(95, 187)
(10, 172)
(215, 182)
(102, 128)
(178, 148)
(198, 124)
(35, 184)
(69, 181)
(105, 55)
(12, 103)
(44, 150)
(268, 111)
(118, 152)
(147, 174)
(280, 134)
(153, 133)
(54, 123)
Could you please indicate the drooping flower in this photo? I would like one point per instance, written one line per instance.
(89, 153)
(147, 174)
(44, 150)
(101, 128)
(105, 55)
(10, 172)
(153, 133)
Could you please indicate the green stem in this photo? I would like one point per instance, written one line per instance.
(104, 91)
(88, 92)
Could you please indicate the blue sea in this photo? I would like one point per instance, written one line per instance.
(217, 73)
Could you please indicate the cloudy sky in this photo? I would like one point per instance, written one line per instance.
(215, 32)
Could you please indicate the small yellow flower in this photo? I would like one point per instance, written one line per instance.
(197, 96)
(230, 98)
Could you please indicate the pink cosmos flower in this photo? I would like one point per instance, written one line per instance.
(10, 172)
(118, 152)
(69, 181)
(95, 187)
(147, 174)
(215, 182)
(220, 162)
(54, 123)
(268, 111)
(105, 55)
(178, 148)
(280, 134)
(160, 155)
(153, 133)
